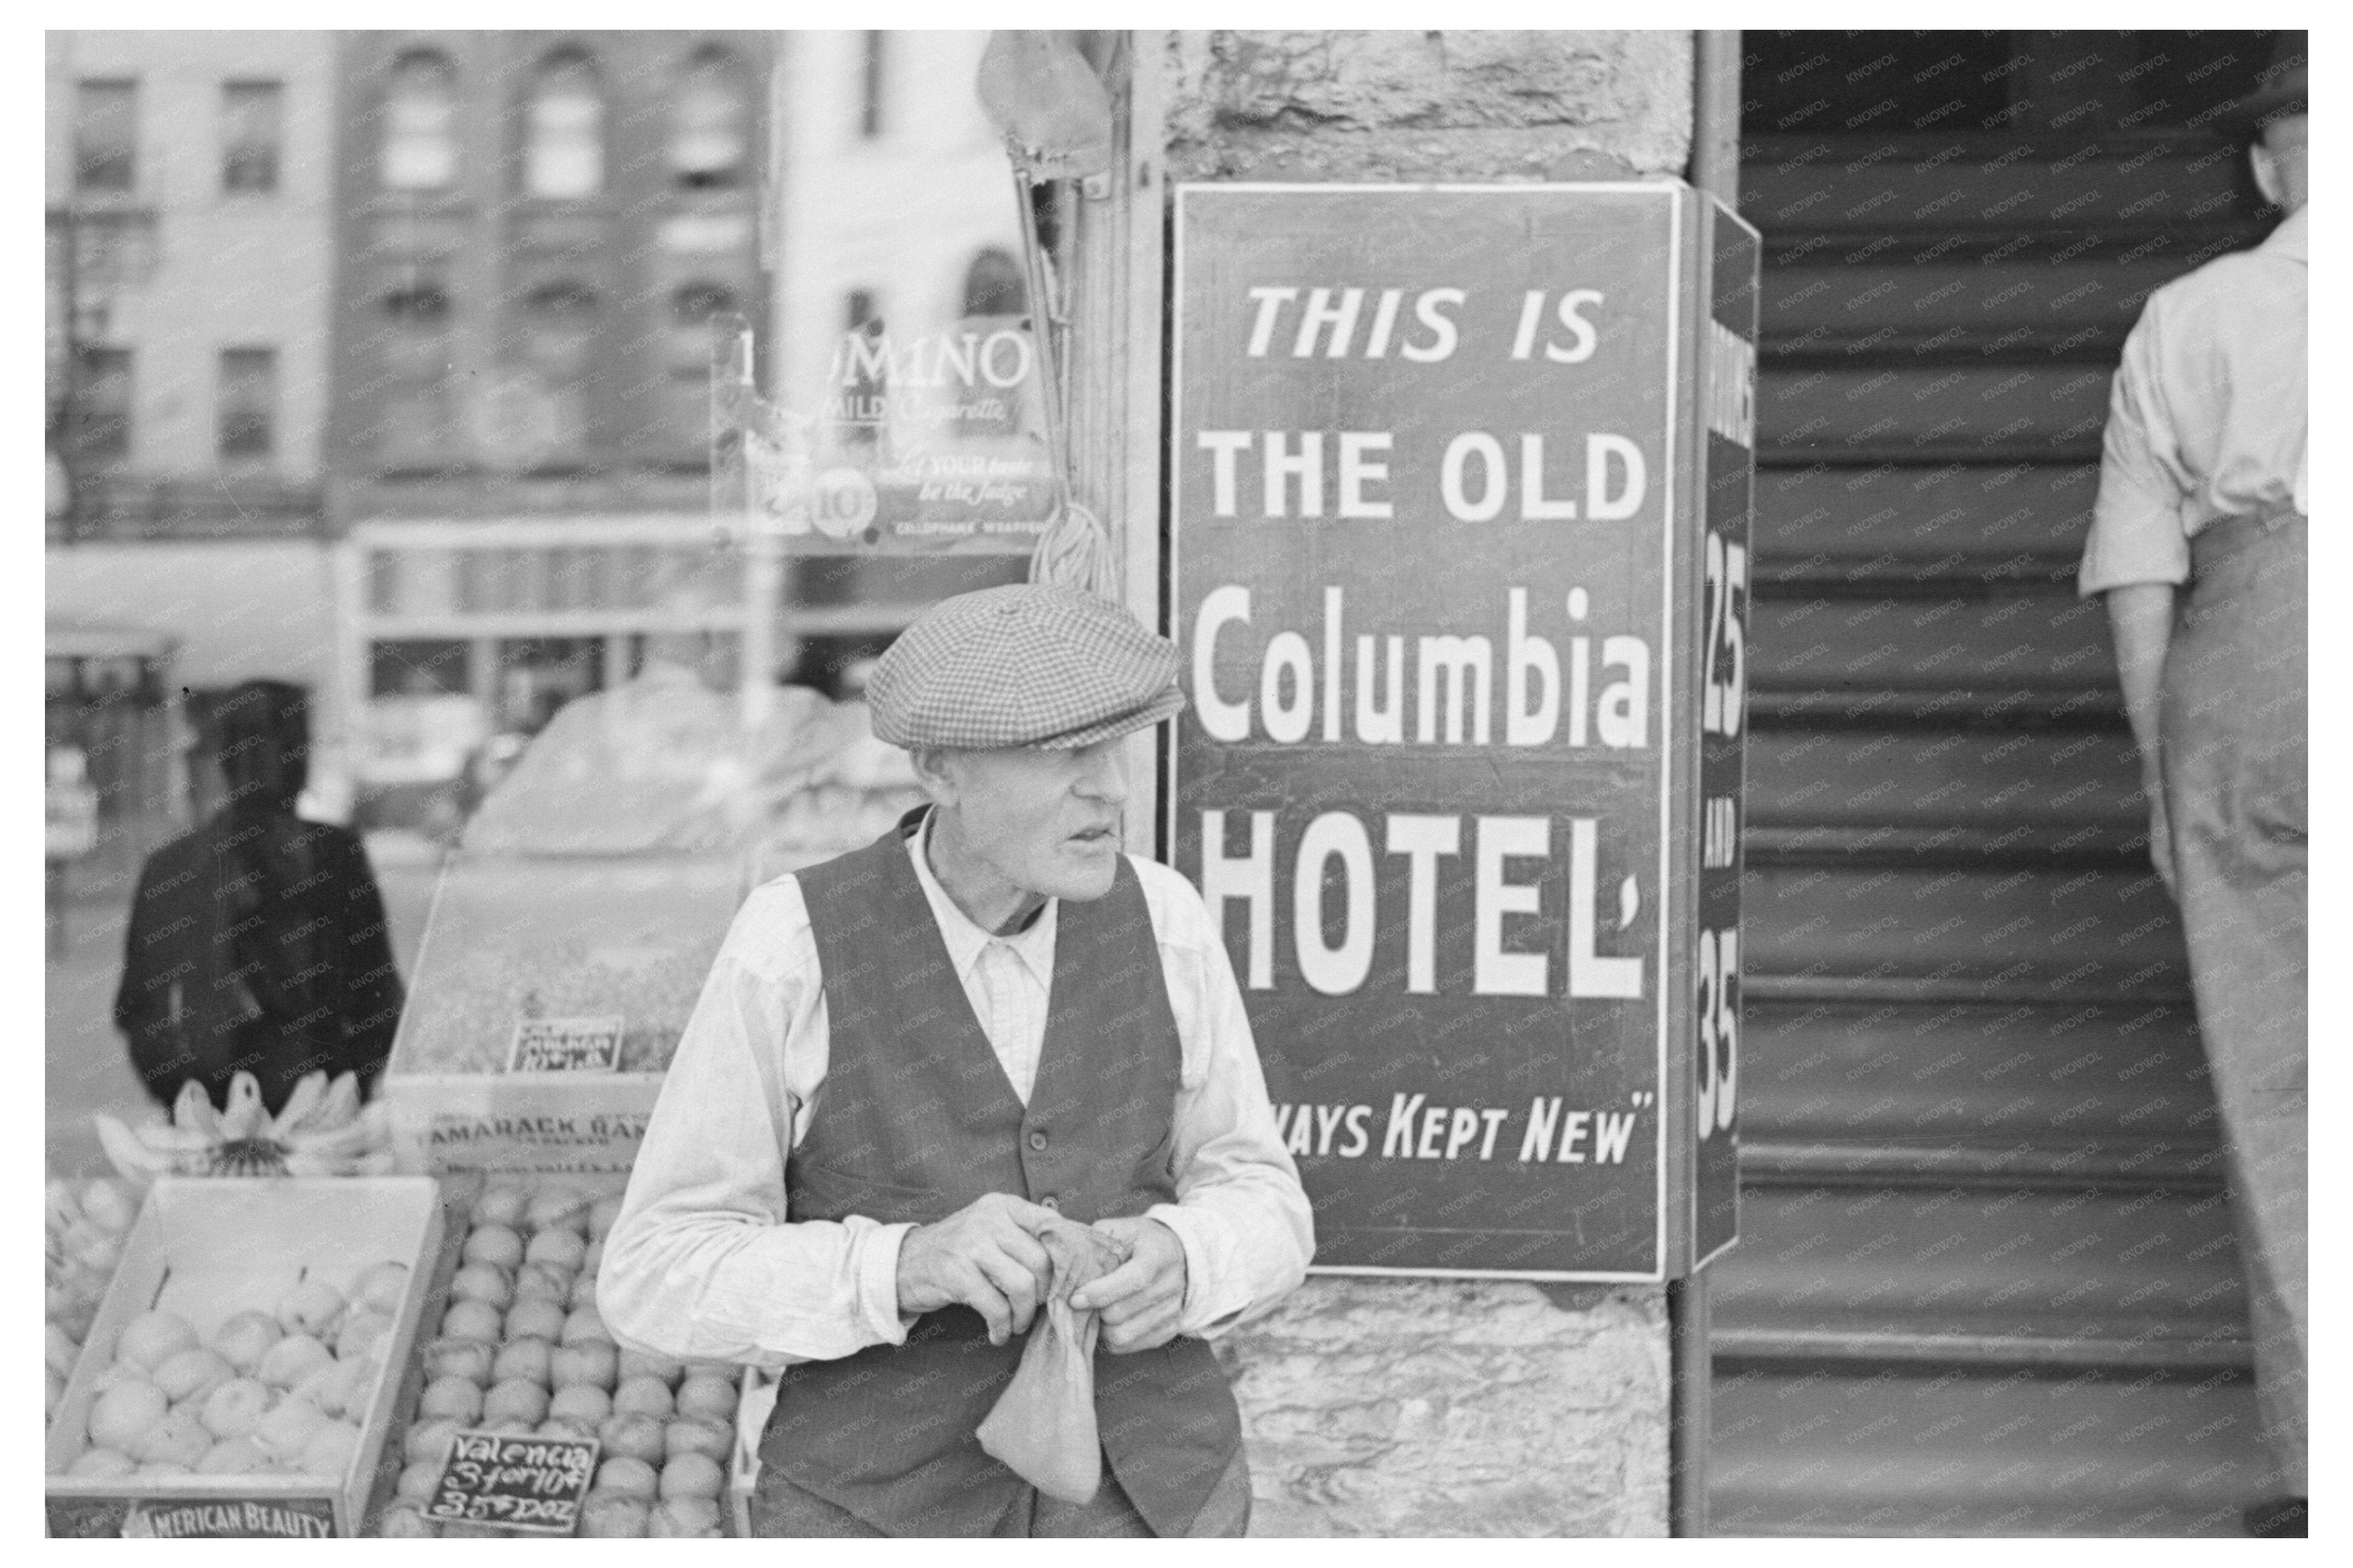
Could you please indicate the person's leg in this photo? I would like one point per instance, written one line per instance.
(2234, 758)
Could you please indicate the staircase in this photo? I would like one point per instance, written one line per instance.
(1986, 1282)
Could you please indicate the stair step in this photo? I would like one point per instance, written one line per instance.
(1825, 410)
(2179, 245)
(2109, 1165)
(2091, 927)
(2122, 846)
(1894, 183)
(1924, 449)
(1829, 1339)
(1924, 514)
(2040, 785)
(1879, 707)
(2033, 639)
(1827, 1073)
(1957, 985)
(2148, 1453)
(2044, 1261)
(2032, 310)
(1892, 574)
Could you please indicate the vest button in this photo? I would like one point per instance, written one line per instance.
(1052, 1202)
(1037, 1140)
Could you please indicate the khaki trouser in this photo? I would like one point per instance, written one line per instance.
(2233, 752)
(780, 1507)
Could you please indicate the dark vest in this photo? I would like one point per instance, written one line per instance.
(915, 1121)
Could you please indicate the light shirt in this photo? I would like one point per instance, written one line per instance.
(701, 1264)
(2206, 417)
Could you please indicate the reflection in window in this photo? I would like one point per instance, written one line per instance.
(102, 410)
(418, 317)
(560, 326)
(872, 82)
(861, 370)
(993, 286)
(709, 137)
(245, 409)
(106, 134)
(252, 123)
(695, 303)
(564, 131)
(420, 125)
(686, 387)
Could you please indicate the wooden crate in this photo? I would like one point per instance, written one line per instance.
(209, 1249)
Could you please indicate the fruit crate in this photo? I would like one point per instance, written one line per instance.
(515, 937)
(411, 1443)
(206, 1251)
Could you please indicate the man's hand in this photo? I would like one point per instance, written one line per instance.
(985, 1256)
(1141, 1298)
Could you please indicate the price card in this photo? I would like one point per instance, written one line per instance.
(529, 1484)
(566, 1045)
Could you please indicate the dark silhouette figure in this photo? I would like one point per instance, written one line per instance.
(258, 942)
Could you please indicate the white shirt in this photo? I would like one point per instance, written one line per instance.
(701, 1264)
(2208, 414)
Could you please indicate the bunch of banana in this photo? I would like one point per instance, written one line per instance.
(322, 1132)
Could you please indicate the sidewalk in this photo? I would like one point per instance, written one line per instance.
(87, 1069)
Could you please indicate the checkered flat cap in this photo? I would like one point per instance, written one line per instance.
(1029, 665)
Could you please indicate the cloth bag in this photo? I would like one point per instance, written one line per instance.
(1042, 1428)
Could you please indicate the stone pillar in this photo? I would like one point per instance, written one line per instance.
(1403, 1407)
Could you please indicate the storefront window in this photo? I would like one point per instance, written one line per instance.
(563, 144)
(417, 668)
(420, 125)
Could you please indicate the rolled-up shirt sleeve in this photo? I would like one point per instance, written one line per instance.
(701, 1263)
(1240, 1213)
(2136, 534)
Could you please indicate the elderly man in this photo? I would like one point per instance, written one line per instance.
(909, 1060)
(2203, 484)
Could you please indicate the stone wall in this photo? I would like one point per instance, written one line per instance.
(1407, 1407)
(1399, 105)
(1413, 1407)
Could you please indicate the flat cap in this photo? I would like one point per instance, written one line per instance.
(1031, 665)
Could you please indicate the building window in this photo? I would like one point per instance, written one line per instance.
(993, 286)
(686, 388)
(420, 125)
(247, 408)
(872, 81)
(564, 131)
(252, 123)
(417, 312)
(106, 135)
(709, 133)
(560, 326)
(695, 304)
(102, 407)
